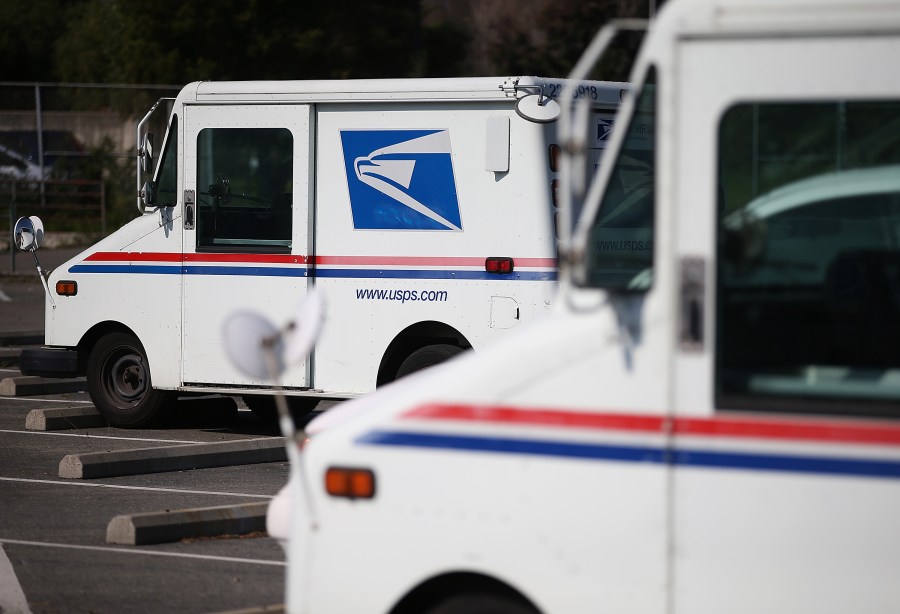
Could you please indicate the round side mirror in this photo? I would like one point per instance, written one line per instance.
(745, 238)
(246, 335)
(538, 108)
(29, 233)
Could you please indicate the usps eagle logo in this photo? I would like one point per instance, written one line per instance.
(401, 179)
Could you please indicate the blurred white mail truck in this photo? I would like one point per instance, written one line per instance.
(709, 420)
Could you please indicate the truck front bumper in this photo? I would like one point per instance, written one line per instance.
(49, 362)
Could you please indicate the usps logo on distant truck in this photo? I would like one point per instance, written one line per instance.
(401, 179)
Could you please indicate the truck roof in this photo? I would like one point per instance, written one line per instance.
(773, 17)
(368, 90)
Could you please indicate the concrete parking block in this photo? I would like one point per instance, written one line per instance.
(172, 526)
(62, 418)
(173, 458)
(28, 385)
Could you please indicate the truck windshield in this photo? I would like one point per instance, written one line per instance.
(167, 175)
(619, 251)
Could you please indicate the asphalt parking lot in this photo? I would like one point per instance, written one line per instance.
(56, 521)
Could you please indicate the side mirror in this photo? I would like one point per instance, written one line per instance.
(29, 233)
(146, 152)
(148, 194)
(221, 189)
(538, 108)
(745, 238)
(261, 350)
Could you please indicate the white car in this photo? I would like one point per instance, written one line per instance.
(14, 165)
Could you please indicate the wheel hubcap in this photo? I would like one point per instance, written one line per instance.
(127, 378)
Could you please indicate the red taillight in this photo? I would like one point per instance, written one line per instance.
(351, 483)
(499, 266)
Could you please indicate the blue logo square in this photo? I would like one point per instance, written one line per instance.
(401, 179)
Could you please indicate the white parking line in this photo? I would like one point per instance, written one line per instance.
(4, 297)
(148, 488)
(12, 599)
(88, 436)
(227, 559)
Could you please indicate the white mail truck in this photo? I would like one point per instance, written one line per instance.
(420, 208)
(709, 420)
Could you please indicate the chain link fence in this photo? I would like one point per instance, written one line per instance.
(67, 154)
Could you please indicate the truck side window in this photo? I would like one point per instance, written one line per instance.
(167, 180)
(808, 290)
(619, 250)
(244, 187)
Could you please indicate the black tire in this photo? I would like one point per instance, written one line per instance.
(482, 603)
(118, 378)
(427, 356)
(263, 406)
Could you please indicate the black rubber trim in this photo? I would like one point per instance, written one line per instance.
(49, 362)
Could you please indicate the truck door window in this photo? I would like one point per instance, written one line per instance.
(244, 185)
(619, 251)
(808, 293)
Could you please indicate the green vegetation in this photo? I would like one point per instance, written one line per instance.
(175, 42)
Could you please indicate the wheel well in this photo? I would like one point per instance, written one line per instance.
(433, 591)
(90, 338)
(411, 339)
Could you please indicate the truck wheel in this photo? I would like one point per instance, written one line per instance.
(119, 382)
(482, 603)
(427, 356)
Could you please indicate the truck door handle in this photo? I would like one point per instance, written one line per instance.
(188, 209)
(692, 304)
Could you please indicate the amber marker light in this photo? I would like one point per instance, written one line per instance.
(350, 483)
(66, 288)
